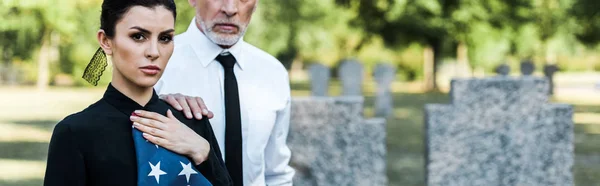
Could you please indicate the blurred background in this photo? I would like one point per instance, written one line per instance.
(46, 44)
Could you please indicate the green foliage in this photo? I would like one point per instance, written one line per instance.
(588, 19)
(311, 30)
(327, 31)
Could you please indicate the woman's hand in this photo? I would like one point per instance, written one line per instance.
(171, 134)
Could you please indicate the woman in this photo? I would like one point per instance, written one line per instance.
(106, 144)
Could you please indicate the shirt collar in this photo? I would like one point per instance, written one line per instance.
(125, 104)
(207, 51)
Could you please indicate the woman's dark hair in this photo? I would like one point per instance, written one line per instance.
(113, 11)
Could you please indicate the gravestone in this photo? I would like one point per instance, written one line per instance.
(501, 132)
(384, 74)
(319, 79)
(527, 67)
(351, 75)
(332, 144)
(503, 70)
(549, 71)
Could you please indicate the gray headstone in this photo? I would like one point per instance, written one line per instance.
(503, 70)
(332, 144)
(549, 71)
(385, 75)
(351, 75)
(319, 79)
(499, 132)
(527, 67)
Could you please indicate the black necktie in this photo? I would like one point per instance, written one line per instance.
(233, 121)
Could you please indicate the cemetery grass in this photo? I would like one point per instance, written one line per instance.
(28, 117)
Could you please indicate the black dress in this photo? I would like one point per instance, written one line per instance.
(95, 146)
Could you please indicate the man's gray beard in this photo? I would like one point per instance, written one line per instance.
(225, 41)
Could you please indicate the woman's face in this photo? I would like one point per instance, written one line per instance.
(142, 45)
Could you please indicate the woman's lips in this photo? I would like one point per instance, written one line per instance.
(150, 69)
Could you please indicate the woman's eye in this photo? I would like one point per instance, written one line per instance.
(166, 39)
(138, 37)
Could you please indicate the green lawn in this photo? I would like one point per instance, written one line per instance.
(27, 118)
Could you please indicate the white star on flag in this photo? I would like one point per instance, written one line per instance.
(156, 172)
(187, 171)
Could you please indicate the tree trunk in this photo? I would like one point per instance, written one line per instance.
(550, 57)
(5, 65)
(296, 67)
(428, 68)
(43, 64)
(463, 68)
(592, 63)
(432, 58)
(437, 60)
(49, 52)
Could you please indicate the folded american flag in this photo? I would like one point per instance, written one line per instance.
(159, 166)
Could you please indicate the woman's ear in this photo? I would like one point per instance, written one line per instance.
(105, 42)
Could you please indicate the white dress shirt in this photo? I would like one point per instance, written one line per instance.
(264, 92)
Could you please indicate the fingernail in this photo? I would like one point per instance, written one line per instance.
(188, 114)
(136, 124)
(133, 117)
(137, 112)
(205, 111)
(179, 108)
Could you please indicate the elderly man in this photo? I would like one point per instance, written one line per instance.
(246, 88)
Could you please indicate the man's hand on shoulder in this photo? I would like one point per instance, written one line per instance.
(188, 105)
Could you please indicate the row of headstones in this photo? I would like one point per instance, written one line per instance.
(350, 73)
(496, 131)
(527, 68)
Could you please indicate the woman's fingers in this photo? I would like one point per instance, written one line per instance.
(156, 140)
(150, 115)
(150, 130)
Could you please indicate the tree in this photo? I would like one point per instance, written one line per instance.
(550, 16)
(435, 23)
(429, 22)
(41, 25)
(296, 31)
(585, 12)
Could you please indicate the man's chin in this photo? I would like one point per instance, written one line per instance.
(224, 39)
